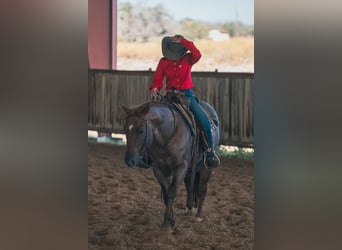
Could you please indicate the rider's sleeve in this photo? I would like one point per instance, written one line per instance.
(195, 54)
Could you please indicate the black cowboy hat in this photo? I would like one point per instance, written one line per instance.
(172, 50)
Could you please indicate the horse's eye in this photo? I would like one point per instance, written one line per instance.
(139, 131)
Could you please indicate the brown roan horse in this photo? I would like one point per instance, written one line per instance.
(159, 131)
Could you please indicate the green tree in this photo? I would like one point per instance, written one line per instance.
(238, 29)
(193, 29)
(140, 23)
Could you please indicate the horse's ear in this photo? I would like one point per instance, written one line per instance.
(144, 109)
(126, 110)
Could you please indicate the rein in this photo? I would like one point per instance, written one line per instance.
(149, 136)
(147, 142)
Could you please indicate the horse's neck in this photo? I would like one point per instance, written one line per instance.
(161, 116)
(163, 122)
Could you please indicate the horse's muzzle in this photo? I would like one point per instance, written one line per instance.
(132, 161)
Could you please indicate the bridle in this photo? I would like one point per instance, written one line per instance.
(143, 151)
(147, 140)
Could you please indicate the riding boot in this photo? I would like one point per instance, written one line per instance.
(211, 159)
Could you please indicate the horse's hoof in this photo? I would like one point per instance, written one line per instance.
(189, 211)
(199, 219)
(168, 225)
(167, 229)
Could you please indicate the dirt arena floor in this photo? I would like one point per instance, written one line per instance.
(125, 210)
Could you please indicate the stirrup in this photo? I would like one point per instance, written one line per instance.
(211, 160)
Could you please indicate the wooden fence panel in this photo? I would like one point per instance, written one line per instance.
(231, 94)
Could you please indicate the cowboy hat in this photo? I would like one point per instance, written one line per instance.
(172, 50)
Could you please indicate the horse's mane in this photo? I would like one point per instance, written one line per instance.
(142, 109)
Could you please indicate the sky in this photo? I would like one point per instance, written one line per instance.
(205, 10)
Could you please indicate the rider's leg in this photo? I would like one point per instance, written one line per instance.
(211, 158)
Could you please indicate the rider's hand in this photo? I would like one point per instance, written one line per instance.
(153, 92)
(176, 38)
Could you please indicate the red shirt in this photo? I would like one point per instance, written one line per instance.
(177, 73)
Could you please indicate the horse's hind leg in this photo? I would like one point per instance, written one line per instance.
(202, 190)
(190, 194)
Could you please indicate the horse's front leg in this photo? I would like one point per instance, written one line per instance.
(165, 187)
(164, 183)
(170, 190)
(178, 178)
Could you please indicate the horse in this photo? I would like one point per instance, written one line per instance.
(159, 131)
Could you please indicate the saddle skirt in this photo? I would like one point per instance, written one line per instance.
(182, 104)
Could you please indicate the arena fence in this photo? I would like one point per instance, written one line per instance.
(231, 94)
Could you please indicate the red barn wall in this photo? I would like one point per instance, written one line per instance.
(102, 34)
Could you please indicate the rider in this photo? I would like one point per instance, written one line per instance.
(176, 67)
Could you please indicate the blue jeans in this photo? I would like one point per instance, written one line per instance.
(200, 115)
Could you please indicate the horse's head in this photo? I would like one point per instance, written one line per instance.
(137, 134)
